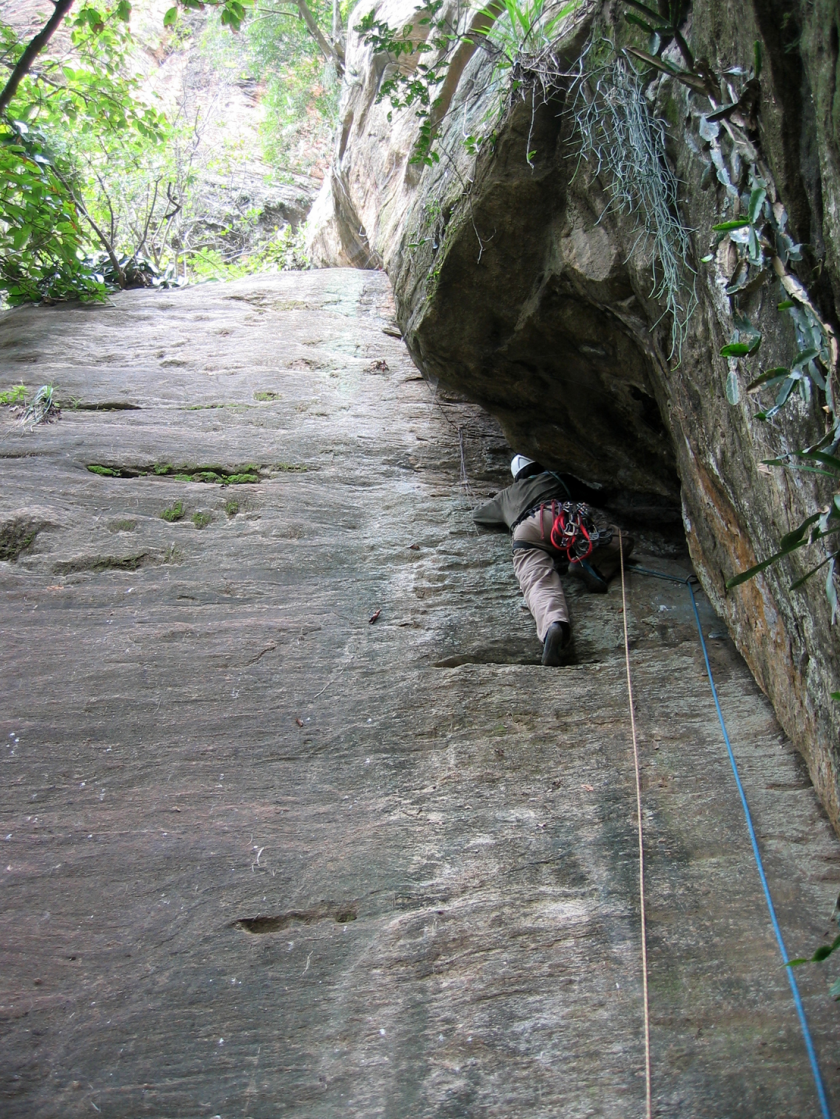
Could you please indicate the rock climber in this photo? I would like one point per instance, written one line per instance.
(548, 528)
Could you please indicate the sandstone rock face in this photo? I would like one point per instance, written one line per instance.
(524, 287)
(264, 858)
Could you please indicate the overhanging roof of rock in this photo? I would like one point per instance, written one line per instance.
(511, 283)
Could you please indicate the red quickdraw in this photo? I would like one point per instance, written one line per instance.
(567, 531)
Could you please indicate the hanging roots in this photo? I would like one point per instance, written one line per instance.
(618, 134)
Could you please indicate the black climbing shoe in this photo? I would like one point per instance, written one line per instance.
(556, 647)
(591, 576)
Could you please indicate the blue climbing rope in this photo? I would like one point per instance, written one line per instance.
(800, 1009)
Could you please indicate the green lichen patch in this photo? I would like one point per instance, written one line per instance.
(202, 520)
(232, 507)
(290, 467)
(209, 473)
(122, 526)
(174, 512)
(242, 479)
(268, 395)
(105, 471)
(17, 536)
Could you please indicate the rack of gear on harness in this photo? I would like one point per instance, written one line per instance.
(573, 530)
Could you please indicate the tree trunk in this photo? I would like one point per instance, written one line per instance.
(329, 52)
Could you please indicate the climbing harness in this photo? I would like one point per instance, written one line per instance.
(573, 529)
(800, 1010)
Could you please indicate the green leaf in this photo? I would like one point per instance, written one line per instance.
(769, 377)
(654, 15)
(785, 305)
(171, 18)
(822, 456)
(831, 590)
(631, 17)
(797, 962)
(805, 356)
(733, 389)
(741, 349)
(804, 578)
(787, 388)
(834, 989)
(727, 226)
(751, 572)
(756, 202)
(796, 534)
(836, 697)
(20, 236)
(825, 950)
(123, 10)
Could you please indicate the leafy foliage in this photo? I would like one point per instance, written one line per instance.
(47, 232)
(301, 88)
(42, 244)
(98, 189)
(815, 527)
(232, 12)
(422, 51)
(417, 84)
(15, 395)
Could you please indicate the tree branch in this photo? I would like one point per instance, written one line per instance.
(103, 240)
(36, 45)
(329, 52)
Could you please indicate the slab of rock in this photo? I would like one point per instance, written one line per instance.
(264, 858)
(520, 282)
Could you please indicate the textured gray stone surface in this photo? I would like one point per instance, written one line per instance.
(524, 287)
(263, 858)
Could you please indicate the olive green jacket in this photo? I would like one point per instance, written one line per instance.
(508, 506)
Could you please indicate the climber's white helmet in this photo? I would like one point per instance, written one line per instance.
(518, 464)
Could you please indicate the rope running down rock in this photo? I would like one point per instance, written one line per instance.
(649, 1106)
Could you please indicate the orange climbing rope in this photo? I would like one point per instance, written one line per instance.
(649, 1110)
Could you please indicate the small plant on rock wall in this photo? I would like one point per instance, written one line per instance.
(822, 954)
(42, 408)
(617, 134)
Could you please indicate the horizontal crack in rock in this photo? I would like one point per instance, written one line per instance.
(248, 474)
(328, 911)
(104, 406)
(115, 563)
(481, 657)
(17, 536)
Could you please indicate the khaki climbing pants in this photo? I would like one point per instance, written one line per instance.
(538, 576)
